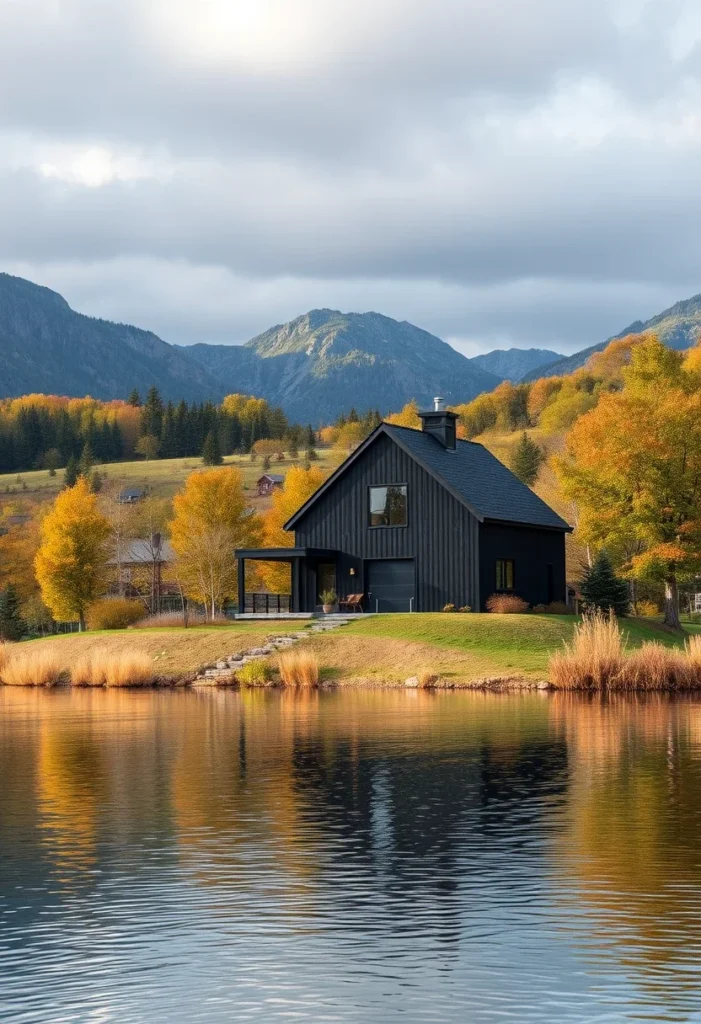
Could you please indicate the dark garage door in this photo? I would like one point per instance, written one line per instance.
(391, 585)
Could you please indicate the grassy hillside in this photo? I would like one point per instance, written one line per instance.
(163, 477)
(379, 650)
(459, 648)
(177, 653)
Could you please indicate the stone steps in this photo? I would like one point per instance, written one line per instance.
(226, 667)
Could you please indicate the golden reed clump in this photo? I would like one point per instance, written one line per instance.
(28, 667)
(101, 668)
(298, 668)
(597, 659)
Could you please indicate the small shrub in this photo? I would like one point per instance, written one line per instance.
(539, 609)
(253, 673)
(647, 609)
(114, 613)
(298, 668)
(465, 608)
(448, 607)
(31, 668)
(506, 604)
(427, 679)
(594, 658)
(558, 608)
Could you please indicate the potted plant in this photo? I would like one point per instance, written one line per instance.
(328, 600)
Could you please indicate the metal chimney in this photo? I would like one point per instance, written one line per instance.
(438, 404)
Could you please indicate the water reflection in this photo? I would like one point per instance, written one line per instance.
(350, 856)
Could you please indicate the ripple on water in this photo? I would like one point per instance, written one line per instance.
(348, 857)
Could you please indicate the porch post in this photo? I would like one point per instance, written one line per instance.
(242, 585)
(295, 596)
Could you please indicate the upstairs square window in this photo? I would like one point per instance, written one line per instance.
(388, 505)
(505, 574)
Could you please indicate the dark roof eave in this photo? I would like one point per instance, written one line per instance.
(565, 528)
(283, 554)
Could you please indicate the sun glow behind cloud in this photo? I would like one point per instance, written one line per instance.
(257, 34)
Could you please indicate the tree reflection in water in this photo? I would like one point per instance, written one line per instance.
(310, 839)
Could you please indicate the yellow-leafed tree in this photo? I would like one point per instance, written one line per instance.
(72, 557)
(211, 520)
(299, 485)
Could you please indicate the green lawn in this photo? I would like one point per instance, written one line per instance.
(464, 646)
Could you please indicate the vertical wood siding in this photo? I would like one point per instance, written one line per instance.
(442, 535)
(531, 550)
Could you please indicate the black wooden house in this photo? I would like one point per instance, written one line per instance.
(417, 519)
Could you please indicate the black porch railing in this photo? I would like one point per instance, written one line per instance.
(267, 604)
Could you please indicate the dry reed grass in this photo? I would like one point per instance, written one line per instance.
(101, 668)
(175, 620)
(597, 659)
(298, 668)
(30, 668)
(4, 655)
(506, 604)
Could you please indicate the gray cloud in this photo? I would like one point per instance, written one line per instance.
(501, 173)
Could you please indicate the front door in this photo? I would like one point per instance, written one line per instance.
(391, 585)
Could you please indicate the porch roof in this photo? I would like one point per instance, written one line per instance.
(284, 554)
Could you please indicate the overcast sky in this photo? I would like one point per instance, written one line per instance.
(499, 172)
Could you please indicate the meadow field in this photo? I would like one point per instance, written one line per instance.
(162, 477)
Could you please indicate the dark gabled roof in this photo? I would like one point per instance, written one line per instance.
(274, 478)
(470, 472)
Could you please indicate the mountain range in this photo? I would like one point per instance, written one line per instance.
(316, 366)
(678, 327)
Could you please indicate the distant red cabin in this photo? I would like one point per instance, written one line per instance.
(268, 482)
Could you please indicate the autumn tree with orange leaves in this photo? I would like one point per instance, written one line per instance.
(299, 485)
(633, 466)
(72, 558)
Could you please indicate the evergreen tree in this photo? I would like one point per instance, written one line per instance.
(211, 451)
(311, 437)
(152, 414)
(87, 460)
(70, 475)
(527, 459)
(602, 589)
(311, 454)
(12, 626)
(353, 416)
(134, 399)
(168, 448)
(96, 481)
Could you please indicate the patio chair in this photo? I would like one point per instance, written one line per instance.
(354, 602)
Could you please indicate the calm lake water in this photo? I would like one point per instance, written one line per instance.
(360, 856)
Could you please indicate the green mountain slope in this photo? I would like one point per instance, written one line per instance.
(678, 327)
(326, 361)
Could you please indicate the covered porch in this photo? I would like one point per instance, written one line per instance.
(312, 570)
